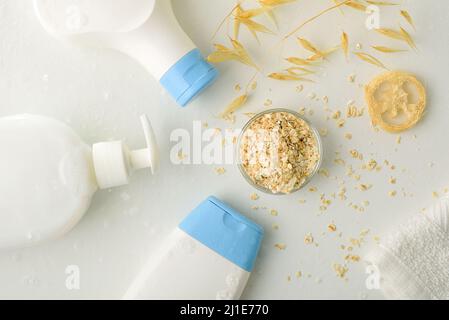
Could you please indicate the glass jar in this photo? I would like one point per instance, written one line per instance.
(296, 115)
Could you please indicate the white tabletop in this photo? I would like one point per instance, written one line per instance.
(102, 93)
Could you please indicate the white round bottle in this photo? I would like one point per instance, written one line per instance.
(49, 176)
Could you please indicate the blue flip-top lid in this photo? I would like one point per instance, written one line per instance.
(189, 77)
(224, 230)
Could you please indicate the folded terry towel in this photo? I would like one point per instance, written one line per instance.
(414, 261)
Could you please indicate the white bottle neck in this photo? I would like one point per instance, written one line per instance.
(158, 44)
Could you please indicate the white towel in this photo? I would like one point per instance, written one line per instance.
(414, 261)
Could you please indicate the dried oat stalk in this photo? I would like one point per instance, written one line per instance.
(235, 105)
(408, 17)
(387, 49)
(345, 44)
(236, 53)
(246, 17)
(401, 35)
(370, 59)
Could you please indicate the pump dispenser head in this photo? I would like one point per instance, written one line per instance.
(114, 163)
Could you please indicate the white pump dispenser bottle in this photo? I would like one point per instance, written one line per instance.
(146, 30)
(49, 176)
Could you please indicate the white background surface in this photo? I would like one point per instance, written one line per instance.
(102, 93)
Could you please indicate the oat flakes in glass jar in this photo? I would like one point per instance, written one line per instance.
(279, 151)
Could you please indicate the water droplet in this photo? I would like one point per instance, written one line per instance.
(131, 212)
(188, 246)
(232, 281)
(76, 19)
(16, 257)
(125, 196)
(30, 280)
(224, 295)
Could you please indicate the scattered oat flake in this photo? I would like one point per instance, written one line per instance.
(351, 78)
(352, 258)
(435, 194)
(268, 103)
(364, 232)
(371, 165)
(181, 155)
(324, 132)
(392, 193)
(254, 85)
(340, 270)
(220, 171)
(332, 227)
(308, 239)
(336, 115)
(355, 154)
(280, 246)
(352, 111)
(341, 123)
(274, 213)
(324, 172)
(364, 187)
(254, 196)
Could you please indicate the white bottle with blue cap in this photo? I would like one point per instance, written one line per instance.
(146, 30)
(209, 256)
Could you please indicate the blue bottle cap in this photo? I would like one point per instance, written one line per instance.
(224, 230)
(189, 77)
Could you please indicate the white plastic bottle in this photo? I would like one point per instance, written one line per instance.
(146, 30)
(49, 176)
(209, 256)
